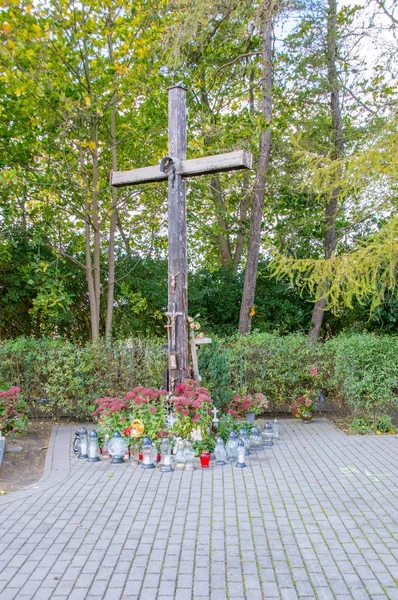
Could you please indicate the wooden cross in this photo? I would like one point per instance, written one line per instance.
(175, 168)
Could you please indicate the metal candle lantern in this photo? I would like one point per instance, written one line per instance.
(117, 449)
(165, 461)
(80, 443)
(255, 440)
(232, 446)
(244, 436)
(147, 461)
(220, 452)
(189, 454)
(241, 454)
(93, 448)
(268, 434)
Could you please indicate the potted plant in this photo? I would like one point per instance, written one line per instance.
(203, 449)
(192, 406)
(247, 405)
(303, 407)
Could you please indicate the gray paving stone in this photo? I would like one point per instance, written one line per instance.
(327, 531)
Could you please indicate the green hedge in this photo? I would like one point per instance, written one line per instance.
(355, 371)
(60, 378)
(358, 371)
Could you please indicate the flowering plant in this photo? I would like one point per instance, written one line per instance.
(144, 404)
(192, 405)
(303, 406)
(13, 412)
(244, 403)
(148, 405)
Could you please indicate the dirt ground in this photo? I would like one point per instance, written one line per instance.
(21, 469)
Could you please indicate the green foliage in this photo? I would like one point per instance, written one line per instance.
(206, 445)
(279, 367)
(228, 423)
(366, 372)
(382, 424)
(59, 378)
(13, 412)
(215, 370)
(360, 425)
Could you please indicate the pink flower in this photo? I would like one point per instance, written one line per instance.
(153, 410)
(195, 418)
(185, 412)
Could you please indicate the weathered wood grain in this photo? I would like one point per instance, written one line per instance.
(231, 161)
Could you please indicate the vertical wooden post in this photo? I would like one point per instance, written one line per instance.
(177, 230)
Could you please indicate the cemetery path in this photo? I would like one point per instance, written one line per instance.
(315, 516)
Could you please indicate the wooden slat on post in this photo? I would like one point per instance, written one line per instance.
(231, 161)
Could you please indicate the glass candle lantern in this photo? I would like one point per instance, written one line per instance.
(165, 461)
(244, 436)
(154, 453)
(256, 442)
(117, 449)
(241, 454)
(179, 459)
(134, 451)
(220, 452)
(93, 447)
(147, 460)
(232, 446)
(127, 454)
(82, 443)
(189, 454)
(276, 429)
(105, 445)
(268, 434)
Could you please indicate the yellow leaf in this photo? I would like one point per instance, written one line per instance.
(88, 101)
(91, 145)
(252, 311)
(7, 28)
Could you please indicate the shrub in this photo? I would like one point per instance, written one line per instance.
(62, 379)
(13, 412)
(381, 424)
(366, 372)
(215, 369)
(278, 367)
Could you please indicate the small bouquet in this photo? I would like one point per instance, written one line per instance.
(303, 406)
(242, 404)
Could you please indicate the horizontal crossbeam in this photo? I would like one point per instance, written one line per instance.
(241, 159)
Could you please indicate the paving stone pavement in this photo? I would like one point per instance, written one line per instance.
(315, 516)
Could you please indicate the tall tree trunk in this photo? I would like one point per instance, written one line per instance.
(223, 240)
(243, 210)
(87, 243)
(113, 219)
(338, 148)
(267, 15)
(95, 217)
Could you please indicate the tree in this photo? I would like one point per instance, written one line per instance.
(268, 11)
